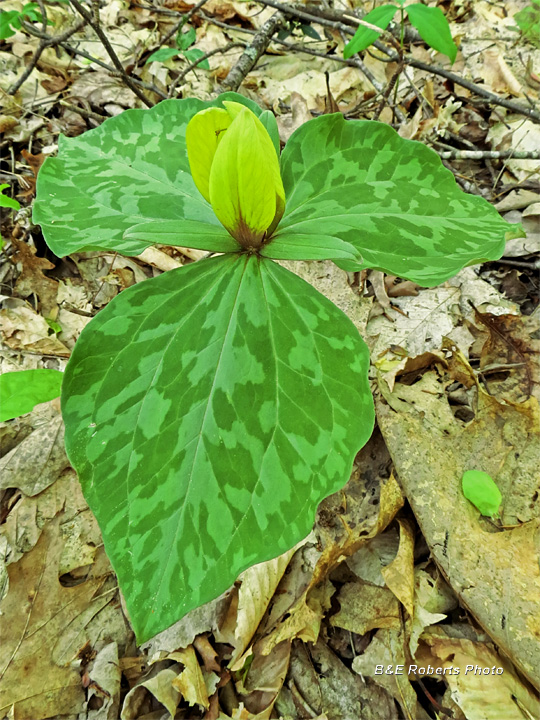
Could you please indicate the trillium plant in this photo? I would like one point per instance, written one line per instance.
(210, 409)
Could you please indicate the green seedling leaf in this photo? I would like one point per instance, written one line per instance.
(10, 22)
(433, 27)
(479, 488)
(55, 327)
(6, 201)
(193, 55)
(528, 21)
(131, 169)
(21, 391)
(186, 39)
(186, 420)
(391, 199)
(162, 55)
(309, 31)
(364, 37)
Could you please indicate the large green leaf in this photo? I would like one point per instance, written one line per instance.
(390, 198)
(187, 419)
(131, 169)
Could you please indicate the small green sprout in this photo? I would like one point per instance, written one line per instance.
(6, 201)
(430, 22)
(480, 489)
(20, 391)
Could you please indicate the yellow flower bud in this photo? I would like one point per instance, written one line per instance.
(235, 167)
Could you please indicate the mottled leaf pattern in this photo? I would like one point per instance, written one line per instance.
(131, 169)
(188, 421)
(390, 198)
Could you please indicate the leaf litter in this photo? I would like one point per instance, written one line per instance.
(399, 567)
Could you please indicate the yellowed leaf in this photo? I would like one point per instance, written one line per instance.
(399, 575)
(190, 683)
(365, 607)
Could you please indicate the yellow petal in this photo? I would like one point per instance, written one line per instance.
(204, 132)
(245, 184)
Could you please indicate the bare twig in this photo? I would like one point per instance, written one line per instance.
(253, 52)
(88, 114)
(46, 41)
(199, 60)
(489, 154)
(183, 20)
(113, 71)
(431, 68)
(110, 51)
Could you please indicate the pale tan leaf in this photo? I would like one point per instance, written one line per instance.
(365, 607)
(399, 575)
(190, 683)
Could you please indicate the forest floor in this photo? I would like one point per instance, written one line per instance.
(400, 569)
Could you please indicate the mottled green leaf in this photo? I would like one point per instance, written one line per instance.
(381, 17)
(433, 27)
(480, 489)
(131, 169)
(21, 391)
(187, 419)
(390, 198)
(288, 246)
(187, 233)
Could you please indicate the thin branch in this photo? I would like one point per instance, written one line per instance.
(489, 154)
(532, 113)
(110, 51)
(431, 68)
(186, 17)
(199, 60)
(253, 52)
(113, 71)
(29, 68)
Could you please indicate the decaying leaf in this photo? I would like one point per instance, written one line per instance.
(431, 451)
(37, 611)
(509, 696)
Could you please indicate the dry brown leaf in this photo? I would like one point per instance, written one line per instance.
(508, 696)
(259, 583)
(190, 682)
(37, 678)
(104, 678)
(26, 520)
(387, 648)
(331, 691)
(208, 654)
(32, 280)
(366, 607)
(160, 685)
(497, 75)
(264, 680)
(495, 574)
(37, 461)
(432, 600)
(300, 114)
(510, 358)
(23, 329)
(399, 574)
